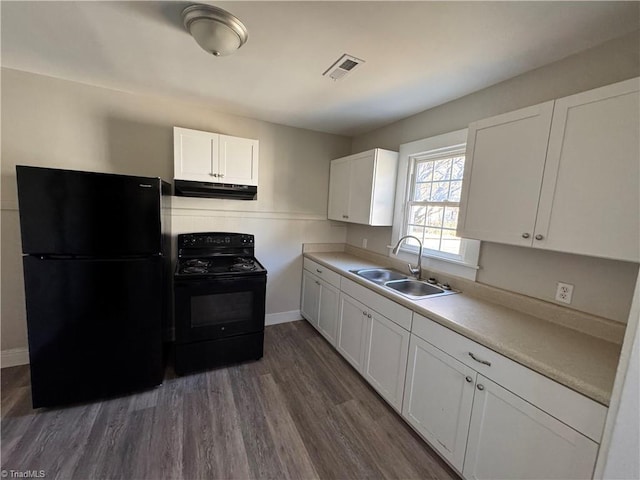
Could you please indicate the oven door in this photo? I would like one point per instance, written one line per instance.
(218, 307)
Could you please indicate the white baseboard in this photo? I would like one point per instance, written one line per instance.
(282, 317)
(13, 357)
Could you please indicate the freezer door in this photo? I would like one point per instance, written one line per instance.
(65, 212)
(94, 327)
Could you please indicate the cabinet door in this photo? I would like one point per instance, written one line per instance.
(310, 298)
(194, 154)
(386, 349)
(503, 173)
(438, 398)
(510, 438)
(352, 329)
(328, 311)
(339, 190)
(590, 198)
(238, 160)
(361, 188)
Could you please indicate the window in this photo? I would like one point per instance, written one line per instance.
(428, 202)
(434, 201)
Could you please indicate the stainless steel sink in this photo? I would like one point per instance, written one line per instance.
(380, 275)
(401, 283)
(415, 288)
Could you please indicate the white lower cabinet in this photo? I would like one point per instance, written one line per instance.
(438, 399)
(511, 439)
(319, 305)
(352, 329)
(385, 364)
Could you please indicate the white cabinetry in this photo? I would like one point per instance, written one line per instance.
(517, 424)
(362, 188)
(319, 300)
(438, 399)
(352, 330)
(373, 335)
(561, 176)
(510, 438)
(211, 157)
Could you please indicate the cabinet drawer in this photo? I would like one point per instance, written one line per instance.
(388, 308)
(323, 272)
(572, 408)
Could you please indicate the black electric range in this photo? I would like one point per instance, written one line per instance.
(219, 306)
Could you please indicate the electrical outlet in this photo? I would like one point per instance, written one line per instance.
(564, 292)
(364, 243)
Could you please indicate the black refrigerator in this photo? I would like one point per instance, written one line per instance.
(97, 282)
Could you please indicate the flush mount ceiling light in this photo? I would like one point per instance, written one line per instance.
(216, 30)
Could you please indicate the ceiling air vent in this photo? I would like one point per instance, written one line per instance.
(345, 64)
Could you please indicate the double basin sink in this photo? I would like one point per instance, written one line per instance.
(401, 283)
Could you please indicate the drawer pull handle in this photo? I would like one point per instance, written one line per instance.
(479, 360)
(480, 386)
(468, 379)
(318, 270)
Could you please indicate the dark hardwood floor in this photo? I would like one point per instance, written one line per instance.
(301, 412)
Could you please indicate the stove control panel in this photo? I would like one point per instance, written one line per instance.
(215, 239)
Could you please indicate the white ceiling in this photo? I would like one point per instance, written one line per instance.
(418, 54)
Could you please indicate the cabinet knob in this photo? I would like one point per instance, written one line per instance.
(480, 386)
(345, 216)
(368, 315)
(525, 235)
(318, 270)
(468, 379)
(539, 237)
(317, 282)
(364, 313)
(213, 174)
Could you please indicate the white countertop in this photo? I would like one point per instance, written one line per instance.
(579, 361)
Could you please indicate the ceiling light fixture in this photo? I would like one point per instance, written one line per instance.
(216, 30)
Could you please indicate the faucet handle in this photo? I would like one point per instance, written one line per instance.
(414, 270)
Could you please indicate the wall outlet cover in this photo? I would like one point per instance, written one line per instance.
(564, 292)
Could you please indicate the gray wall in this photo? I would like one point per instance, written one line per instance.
(602, 287)
(62, 124)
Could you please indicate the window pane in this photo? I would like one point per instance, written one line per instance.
(451, 246)
(457, 169)
(439, 192)
(424, 171)
(434, 216)
(417, 215)
(432, 238)
(451, 217)
(442, 169)
(454, 192)
(422, 192)
(416, 231)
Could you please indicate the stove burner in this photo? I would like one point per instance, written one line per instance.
(245, 266)
(196, 262)
(195, 269)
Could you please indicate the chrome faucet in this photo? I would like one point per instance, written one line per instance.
(417, 271)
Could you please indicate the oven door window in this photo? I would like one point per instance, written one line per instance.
(221, 308)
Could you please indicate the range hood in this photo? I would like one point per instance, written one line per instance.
(189, 188)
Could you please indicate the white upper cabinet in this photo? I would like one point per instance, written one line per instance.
(561, 176)
(503, 173)
(590, 198)
(362, 188)
(211, 157)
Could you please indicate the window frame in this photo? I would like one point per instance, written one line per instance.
(466, 263)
